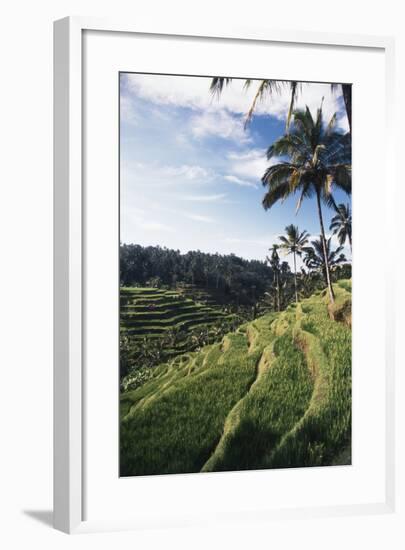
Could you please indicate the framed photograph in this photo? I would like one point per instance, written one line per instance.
(215, 356)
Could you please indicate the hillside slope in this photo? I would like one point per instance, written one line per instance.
(153, 312)
(275, 393)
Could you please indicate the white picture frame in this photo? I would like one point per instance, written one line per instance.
(68, 267)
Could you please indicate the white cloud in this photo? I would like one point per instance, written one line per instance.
(153, 226)
(204, 198)
(183, 140)
(128, 113)
(199, 218)
(163, 175)
(193, 92)
(219, 123)
(239, 181)
(266, 242)
(135, 219)
(249, 164)
(188, 171)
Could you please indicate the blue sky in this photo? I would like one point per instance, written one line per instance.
(190, 171)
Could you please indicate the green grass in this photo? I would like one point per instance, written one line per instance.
(275, 393)
(325, 428)
(254, 428)
(153, 312)
(180, 424)
(346, 284)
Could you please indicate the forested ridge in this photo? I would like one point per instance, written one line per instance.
(156, 266)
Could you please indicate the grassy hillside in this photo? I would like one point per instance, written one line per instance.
(153, 312)
(275, 393)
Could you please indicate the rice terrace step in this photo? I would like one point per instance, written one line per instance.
(249, 402)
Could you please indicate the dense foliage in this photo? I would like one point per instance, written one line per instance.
(158, 324)
(157, 266)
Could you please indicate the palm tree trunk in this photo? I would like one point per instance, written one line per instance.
(278, 293)
(295, 279)
(350, 242)
(325, 254)
(347, 97)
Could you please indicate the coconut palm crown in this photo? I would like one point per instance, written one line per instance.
(315, 259)
(294, 243)
(341, 224)
(315, 159)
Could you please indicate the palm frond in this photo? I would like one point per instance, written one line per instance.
(303, 123)
(342, 177)
(294, 241)
(294, 85)
(319, 161)
(218, 83)
(341, 223)
(318, 125)
(265, 87)
(291, 145)
(276, 193)
(331, 124)
(318, 149)
(278, 173)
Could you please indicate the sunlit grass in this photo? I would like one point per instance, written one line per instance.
(272, 407)
(276, 393)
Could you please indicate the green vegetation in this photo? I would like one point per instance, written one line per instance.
(158, 324)
(294, 243)
(253, 427)
(319, 160)
(176, 428)
(274, 393)
(225, 276)
(315, 258)
(232, 364)
(341, 224)
(155, 311)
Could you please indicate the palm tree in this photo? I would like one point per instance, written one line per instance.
(294, 243)
(309, 282)
(268, 87)
(274, 262)
(318, 159)
(341, 224)
(315, 258)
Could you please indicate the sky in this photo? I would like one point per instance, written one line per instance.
(190, 172)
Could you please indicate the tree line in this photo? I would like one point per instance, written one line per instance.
(157, 266)
(286, 288)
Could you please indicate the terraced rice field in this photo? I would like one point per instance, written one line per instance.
(276, 393)
(152, 312)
